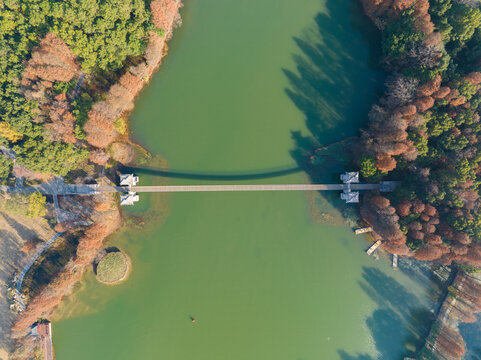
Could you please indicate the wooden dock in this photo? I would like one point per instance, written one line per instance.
(363, 230)
(394, 261)
(373, 247)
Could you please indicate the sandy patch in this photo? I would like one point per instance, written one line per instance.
(3, 354)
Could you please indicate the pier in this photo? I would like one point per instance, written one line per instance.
(395, 261)
(363, 230)
(373, 247)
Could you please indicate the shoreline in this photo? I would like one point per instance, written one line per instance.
(102, 228)
(16, 232)
(100, 233)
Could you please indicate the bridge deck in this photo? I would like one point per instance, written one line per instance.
(60, 188)
(206, 188)
(197, 188)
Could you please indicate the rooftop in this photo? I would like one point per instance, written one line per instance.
(129, 199)
(41, 329)
(128, 180)
(350, 177)
(350, 196)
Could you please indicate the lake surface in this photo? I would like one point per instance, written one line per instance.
(245, 84)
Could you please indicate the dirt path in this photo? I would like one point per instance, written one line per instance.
(14, 232)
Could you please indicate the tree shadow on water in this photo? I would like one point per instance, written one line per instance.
(345, 356)
(385, 327)
(386, 291)
(471, 332)
(400, 323)
(333, 84)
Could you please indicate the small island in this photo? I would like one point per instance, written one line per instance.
(113, 268)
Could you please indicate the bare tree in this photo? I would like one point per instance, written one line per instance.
(424, 55)
(399, 91)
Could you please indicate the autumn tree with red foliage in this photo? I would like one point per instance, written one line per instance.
(119, 99)
(425, 132)
(165, 13)
(451, 343)
(43, 303)
(28, 247)
(418, 206)
(385, 163)
(51, 61)
(404, 208)
(428, 253)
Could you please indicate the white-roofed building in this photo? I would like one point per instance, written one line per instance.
(350, 196)
(128, 180)
(350, 177)
(129, 199)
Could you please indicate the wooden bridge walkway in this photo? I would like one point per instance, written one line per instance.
(217, 188)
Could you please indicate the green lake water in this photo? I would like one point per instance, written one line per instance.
(245, 84)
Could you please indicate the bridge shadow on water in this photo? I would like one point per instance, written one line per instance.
(271, 173)
(333, 84)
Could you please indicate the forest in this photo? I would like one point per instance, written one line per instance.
(69, 73)
(425, 130)
(47, 47)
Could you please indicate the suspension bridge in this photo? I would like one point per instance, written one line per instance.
(349, 187)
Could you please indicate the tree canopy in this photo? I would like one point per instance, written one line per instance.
(5, 167)
(425, 132)
(103, 34)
